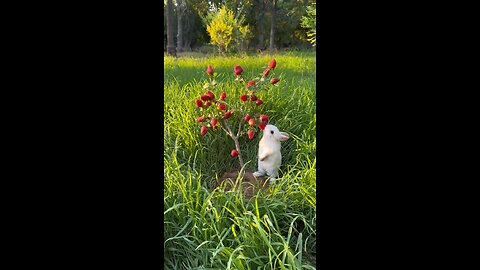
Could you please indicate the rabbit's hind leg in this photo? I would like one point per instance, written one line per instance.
(261, 171)
(273, 175)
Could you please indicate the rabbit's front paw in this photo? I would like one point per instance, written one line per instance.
(257, 174)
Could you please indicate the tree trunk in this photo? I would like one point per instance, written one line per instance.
(187, 47)
(272, 28)
(180, 10)
(261, 28)
(234, 137)
(187, 34)
(237, 146)
(170, 42)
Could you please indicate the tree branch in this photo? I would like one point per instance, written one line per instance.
(237, 146)
(239, 127)
(229, 131)
(226, 131)
(235, 140)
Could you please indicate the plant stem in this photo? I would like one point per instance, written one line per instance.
(229, 130)
(235, 140)
(239, 127)
(237, 146)
(226, 131)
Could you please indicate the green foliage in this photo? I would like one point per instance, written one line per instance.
(243, 38)
(288, 29)
(206, 229)
(245, 32)
(310, 22)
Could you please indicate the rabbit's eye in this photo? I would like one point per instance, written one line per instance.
(271, 132)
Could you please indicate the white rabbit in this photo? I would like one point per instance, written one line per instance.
(269, 156)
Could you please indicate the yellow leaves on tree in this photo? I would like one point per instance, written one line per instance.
(221, 29)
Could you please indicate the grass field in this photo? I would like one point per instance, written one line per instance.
(205, 229)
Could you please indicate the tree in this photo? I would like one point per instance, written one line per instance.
(288, 31)
(284, 16)
(228, 111)
(192, 30)
(261, 28)
(272, 28)
(309, 22)
(180, 12)
(224, 27)
(170, 42)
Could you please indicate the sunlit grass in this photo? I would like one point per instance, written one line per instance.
(223, 230)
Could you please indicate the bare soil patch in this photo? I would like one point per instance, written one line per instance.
(250, 184)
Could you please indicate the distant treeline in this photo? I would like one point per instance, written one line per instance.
(190, 19)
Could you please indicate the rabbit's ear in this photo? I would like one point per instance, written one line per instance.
(284, 136)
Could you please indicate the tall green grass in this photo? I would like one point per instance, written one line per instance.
(206, 229)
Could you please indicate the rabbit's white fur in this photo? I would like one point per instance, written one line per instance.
(269, 156)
